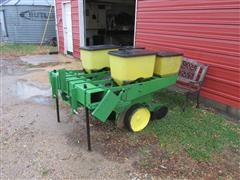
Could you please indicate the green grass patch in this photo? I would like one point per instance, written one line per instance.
(199, 132)
(15, 50)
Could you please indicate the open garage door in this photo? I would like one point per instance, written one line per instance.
(109, 22)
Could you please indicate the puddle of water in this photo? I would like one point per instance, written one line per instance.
(11, 67)
(29, 91)
(41, 100)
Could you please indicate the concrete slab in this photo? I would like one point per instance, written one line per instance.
(40, 59)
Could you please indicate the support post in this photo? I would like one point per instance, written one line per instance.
(57, 108)
(186, 101)
(198, 94)
(88, 129)
(87, 122)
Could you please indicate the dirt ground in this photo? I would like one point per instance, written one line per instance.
(34, 145)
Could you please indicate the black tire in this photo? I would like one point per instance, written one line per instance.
(159, 113)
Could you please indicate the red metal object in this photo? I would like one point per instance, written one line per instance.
(207, 31)
(75, 27)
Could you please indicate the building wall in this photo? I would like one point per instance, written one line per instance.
(26, 24)
(207, 31)
(59, 25)
(75, 27)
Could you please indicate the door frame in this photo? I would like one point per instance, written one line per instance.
(82, 24)
(135, 22)
(56, 23)
(64, 24)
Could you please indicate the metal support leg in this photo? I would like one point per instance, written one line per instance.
(198, 95)
(88, 130)
(57, 108)
(186, 102)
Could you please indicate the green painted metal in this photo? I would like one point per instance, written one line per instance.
(106, 106)
(100, 94)
(53, 78)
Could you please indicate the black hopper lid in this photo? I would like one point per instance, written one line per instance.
(100, 47)
(132, 53)
(168, 54)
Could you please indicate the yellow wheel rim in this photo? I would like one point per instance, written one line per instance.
(140, 119)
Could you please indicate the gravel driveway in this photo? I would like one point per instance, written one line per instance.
(33, 144)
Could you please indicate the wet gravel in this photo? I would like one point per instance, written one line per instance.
(33, 144)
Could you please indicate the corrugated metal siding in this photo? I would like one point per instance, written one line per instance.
(204, 30)
(75, 27)
(59, 26)
(24, 30)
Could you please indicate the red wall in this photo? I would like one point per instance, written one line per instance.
(59, 26)
(204, 30)
(75, 27)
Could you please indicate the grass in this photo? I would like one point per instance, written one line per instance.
(198, 132)
(15, 50)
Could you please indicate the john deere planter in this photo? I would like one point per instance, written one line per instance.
(118, 97)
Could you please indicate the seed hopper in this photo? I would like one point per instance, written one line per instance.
(123, 93)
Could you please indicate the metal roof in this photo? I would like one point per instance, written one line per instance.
(2, 1)
(28, 2)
